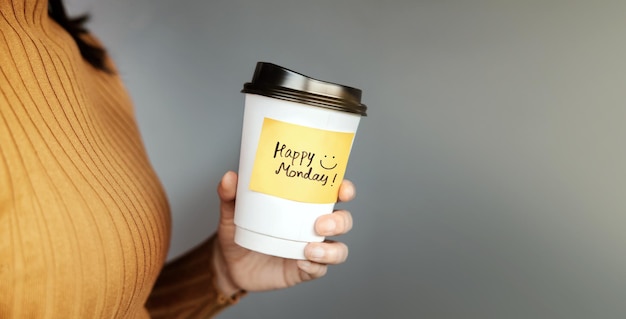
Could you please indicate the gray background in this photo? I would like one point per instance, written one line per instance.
(491, 171)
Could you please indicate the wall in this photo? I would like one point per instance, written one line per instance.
(491, 171)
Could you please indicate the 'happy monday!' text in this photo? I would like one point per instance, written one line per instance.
(298, 164)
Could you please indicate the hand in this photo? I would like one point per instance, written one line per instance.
(241, 269)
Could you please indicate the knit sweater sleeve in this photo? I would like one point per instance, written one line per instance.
(186, 287)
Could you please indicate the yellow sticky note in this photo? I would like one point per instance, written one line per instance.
(300, 163)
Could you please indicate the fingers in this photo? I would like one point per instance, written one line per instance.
(320, 255)
(227, 187)
(311, 270)
(329, 252)
(226, 190)
(347, 191)
(337, 223)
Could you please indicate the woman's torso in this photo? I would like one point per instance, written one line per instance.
(84, 223)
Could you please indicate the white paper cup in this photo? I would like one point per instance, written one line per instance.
(296, 139)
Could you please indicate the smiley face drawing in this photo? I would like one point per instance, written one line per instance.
(327, 167)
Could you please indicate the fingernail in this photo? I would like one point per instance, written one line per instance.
(317, 252)
(329, 226)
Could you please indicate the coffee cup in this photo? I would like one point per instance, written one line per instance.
(297, 135)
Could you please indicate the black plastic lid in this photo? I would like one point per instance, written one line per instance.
(277, 82)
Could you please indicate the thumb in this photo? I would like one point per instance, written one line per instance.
(226, 190)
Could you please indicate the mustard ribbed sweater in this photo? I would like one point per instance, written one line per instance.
(84, 221)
